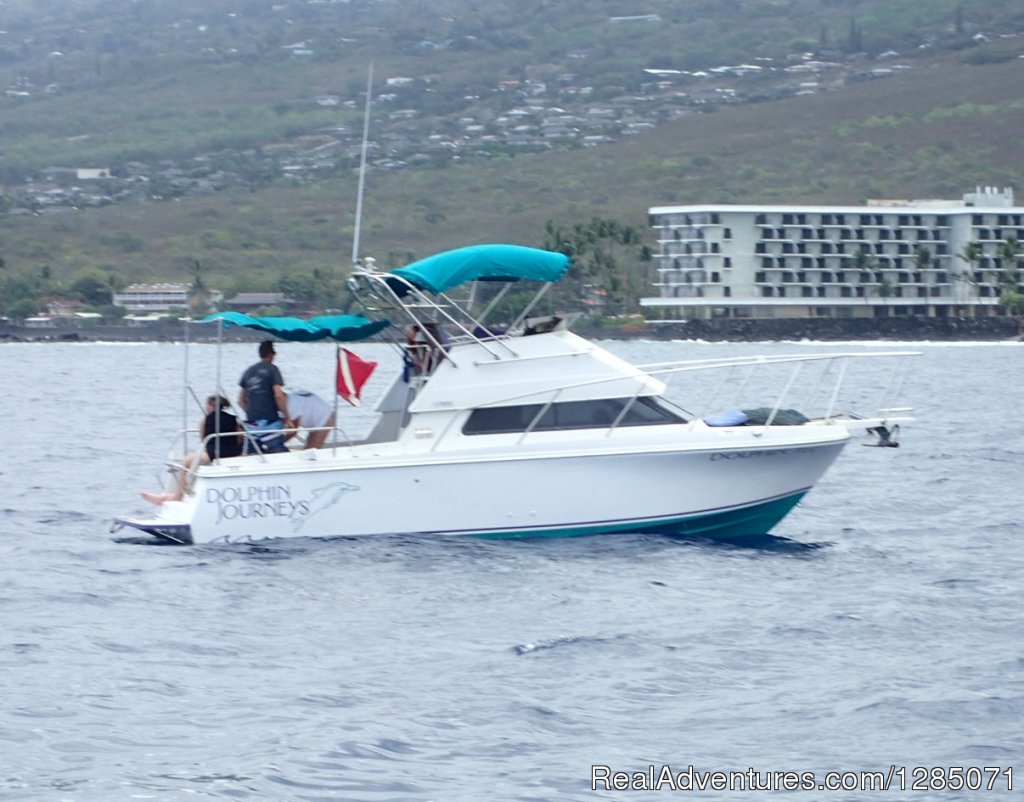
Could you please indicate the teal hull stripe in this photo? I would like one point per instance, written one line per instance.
(753, 519)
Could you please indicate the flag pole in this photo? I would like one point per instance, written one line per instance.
(217, 407)
(337, 367)
(184, 393)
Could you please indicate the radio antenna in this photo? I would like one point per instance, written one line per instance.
(362, 167)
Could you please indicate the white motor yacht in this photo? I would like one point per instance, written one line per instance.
(525, 431)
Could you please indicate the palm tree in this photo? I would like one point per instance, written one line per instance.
(922, 257)
(1009, 277)
(922, 261)
(864, 261)
(971, 254)
(199, 295)
(884, 289)
(596, 257)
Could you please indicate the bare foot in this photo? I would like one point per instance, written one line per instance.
(157, 498)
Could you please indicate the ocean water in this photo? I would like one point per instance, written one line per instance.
(880, 627)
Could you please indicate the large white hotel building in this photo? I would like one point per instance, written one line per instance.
(935, 258)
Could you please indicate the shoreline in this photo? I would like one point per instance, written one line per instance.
(911, 329)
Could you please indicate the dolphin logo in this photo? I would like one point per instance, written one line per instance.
(323, 498)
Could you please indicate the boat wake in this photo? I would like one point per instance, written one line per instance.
(775, 544)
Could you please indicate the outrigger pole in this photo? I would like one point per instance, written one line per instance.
(362, 166)
(359, 219)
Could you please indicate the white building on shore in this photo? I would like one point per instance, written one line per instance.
(934, 258)
(153, 297)
(166, 297)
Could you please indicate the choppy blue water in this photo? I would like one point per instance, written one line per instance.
(881, 626)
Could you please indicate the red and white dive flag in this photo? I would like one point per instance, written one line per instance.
(353, 373)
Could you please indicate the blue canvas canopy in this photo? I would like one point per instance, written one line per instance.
(343, 328)
(449, 269)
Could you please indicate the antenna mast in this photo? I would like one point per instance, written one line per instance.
(362, 167)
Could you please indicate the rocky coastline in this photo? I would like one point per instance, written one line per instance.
(912, 329)
(909, 329)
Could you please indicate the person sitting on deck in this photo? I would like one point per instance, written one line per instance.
(225, 440)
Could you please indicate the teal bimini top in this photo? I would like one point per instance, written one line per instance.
(343, 328)
(449, 269)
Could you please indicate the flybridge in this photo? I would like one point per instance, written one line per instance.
(418, 295)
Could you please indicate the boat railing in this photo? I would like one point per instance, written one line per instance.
(830, 379)
(654, 379)
(386, 293)
(176, 460)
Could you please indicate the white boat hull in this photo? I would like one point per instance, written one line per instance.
(742, 488)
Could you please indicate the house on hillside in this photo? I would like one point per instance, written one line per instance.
(60, 307)
(153, 297)
(594, 299)
(142, 320)
(253, 301)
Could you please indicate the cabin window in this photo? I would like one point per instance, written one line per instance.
(596, 414)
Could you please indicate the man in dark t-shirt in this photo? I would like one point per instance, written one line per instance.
(263, 399)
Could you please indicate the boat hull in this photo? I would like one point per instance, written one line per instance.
(710, 492)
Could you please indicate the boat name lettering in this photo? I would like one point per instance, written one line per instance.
(255, 501)
(773, 452)
(234, 495)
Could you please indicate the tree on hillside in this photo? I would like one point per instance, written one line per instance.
(198, 283)
(1012, 303)
(301, 287)
(607, 256)
(22, 295)
(319, 289)
(199, 294)
(93, 288)
(855, 37)
(23, 308)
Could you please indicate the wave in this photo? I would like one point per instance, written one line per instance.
(557, 643)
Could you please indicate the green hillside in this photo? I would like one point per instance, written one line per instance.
(949, 122)
(110, 81)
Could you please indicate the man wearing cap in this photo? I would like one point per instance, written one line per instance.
(265, 404)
